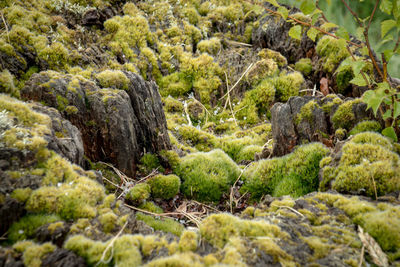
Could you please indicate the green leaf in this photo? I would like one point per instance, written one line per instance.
(312, 33)
(386, 26)
(388, 53)
(386, 39)
(389, 132)
(357, 66)
(307, 7)
(295, 32)
(283, 12)
(373, 99)
(342, 33)
(387, 115)
(396, 109)
(359, 80)
(386, 6)
(273, 2)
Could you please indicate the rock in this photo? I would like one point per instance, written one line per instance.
(63, 258)
(10, 211)
(56, 236)
(313, 119)
(117, 126)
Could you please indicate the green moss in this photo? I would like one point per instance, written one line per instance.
(150, 162)
(21, 194)
(306, 112)
(7, 84)
(150, 206)
(331, 101)
(274, 55)
(304, 66)
(175, 84)
(34, 253)
(206, 176)
(71, 110)
(320, 247)
(219, 228)
(90, 250)
(138, 193)
(171, 157)
(108, 221)
(113, 79)
(366, 126)
(126, 251)
(262, 69)
(287, 85)
(248, 153)
(368, 165)
(211, 46)
(332, 51)
(295, 174)
(343, 78)
(54, 226)
(26, 227)
(344, 116)
(178, 260)
(188, 241)
(201, 140)
(62, 103)
(56, 56)
(172, 105)
(163, 224)
(341, 134)
(164, 186)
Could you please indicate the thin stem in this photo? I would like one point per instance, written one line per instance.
(362, 72)
(353, 13)
(373, 13)
(397, 44)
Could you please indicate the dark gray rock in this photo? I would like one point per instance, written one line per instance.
(63, 258)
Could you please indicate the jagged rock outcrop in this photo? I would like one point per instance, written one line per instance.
(308, 119)
(117, 126)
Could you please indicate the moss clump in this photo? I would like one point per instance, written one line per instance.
(150, 162)
(287, 85)
(307, 112)
(175, 84)
(304, 66)
(344, 116)
(138, 193)
(164, 186)
(108, 221)
(341, 134)
(368, 165)
(150, 206)
(332, 51)
(262, 69)
(366, 126)
(248, 153)
(56, 56)
(274, 55)
(206, 176)
(90, 250)
(21, 194)
(188, 241)
(25, 228)
(34, 253)
(219, 228)
(211, 46)
(172, 105)
(295, 174)
(126, 251)
(164, 224)
(7, 84)
(115, 79)
(178, 260)
(343, 78)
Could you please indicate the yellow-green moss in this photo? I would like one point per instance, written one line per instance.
(366, 126)
(344, 116)
(306, 112)
(7, 84)
(164, 186)
(34, 253)
(206, 176)
(138, 193)
(172, 105)
(56, 56)
(90, 250)
(304, 66)
(150, 206)
(211, 46)
(332, 51)
(108, 221)
(295, 174)
(188, 241)
(163, 224)
(113, 79)
(21, 194)
(287, 85)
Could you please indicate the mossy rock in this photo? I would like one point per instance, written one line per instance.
(304, 66)
(295, 174)
(206, 176)
(368, 165)
(139, 193)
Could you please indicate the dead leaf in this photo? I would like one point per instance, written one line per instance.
(324, 86)
(375, 251)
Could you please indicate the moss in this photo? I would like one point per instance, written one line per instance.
(164, 186)
(295, 174)
(274, 55)
(90, 250)
(54, 226)
(307, 112)
(219, 228)
(206, 176)
(344, 116)
(7, 84)
(175, 84)
(172, 105)
(304, 66)
(21, 194)
(108, 221)
(171, 157)
(343, 78)
(331, 101)
(341, 134)
(150, 206)
(262, 69)
(320, 247)
(150, 162)
(287, 85)
(201, 140)
(332, 51)
(211, 46)
(188, 241)
(113, 79)
(71, 110)
(271, 248)
(26, 227)
(177, 260)
(138, 193)
(366, 126)
(34, 253)
(248, 153)
(163, 224)
(56, 56)
(126, 251)
(367, 165)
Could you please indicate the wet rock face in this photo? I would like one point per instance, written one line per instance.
(117, 126)
(312, 119)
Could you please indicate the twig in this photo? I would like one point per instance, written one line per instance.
(289, 208)
(361, 256)
(373, 13)
(241, 77)
(110, 245)
(374, 184)
(238, 43)
(311, 90)
(229, 99)
(118, 172)
(185, 108)
(207, 206)
(353, 13)
(231, 197)
(5, 25)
